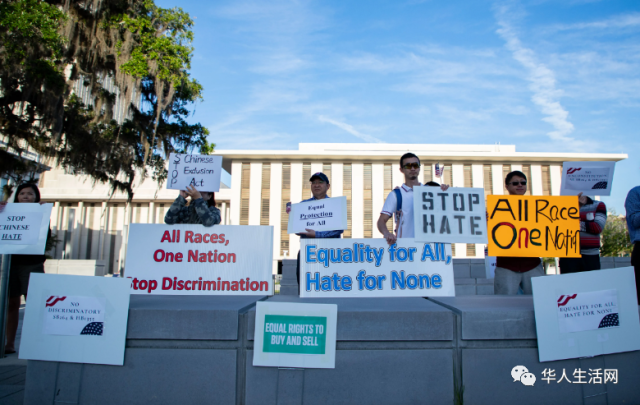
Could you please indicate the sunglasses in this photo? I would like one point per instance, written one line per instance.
(515, 183)
(411, 166)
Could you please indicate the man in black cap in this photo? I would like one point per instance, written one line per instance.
(319, 187)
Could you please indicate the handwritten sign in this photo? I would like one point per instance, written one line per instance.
(590, 178)
(372, 268)
(457, 215)
(24, 228)
(199, 171)
(533, 226)
(74, 315)
(191, 259)
(588, 311)
(295, 335)
(328, 214)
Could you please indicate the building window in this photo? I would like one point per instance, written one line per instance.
(447, 175)
(245, 178)
(487, 180)
(368, 202)
(265, 193)
(306, 184)
(546, 180)
(526, 169)
(468, 176)
(471, 250)
(326, 169)
(286, 197)
(346, 179)
(427, 171)
(388, 187)
(506, 169)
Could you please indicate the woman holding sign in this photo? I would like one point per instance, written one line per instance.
(21, 268)
(201, 210)
(513, 272)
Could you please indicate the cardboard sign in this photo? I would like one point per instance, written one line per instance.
(200, 171)
(75, 319)
(198, 260)
(589, 178)
(295, 335)
(457, 215)
(372, 268)
(588, 311)
(586, 314)
(328, 214)
(533, 226)
(74, 315)
(24, 228)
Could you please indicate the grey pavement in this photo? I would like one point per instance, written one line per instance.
(12, 373)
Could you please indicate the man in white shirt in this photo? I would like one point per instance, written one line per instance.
(410, 167)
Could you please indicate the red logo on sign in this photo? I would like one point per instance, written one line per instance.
(572, 170)
(564, 299)
(53, 300)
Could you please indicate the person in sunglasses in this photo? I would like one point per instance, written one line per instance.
(402, 207)
(515, 272)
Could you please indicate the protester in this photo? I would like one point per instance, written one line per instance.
(201, 210)
(515, 272)
(319, 187)
(21, 268)
(400, 201)
(632, 206)
(593, 217)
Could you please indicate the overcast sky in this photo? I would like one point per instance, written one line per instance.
(558, 76)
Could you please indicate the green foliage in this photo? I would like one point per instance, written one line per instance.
(145, 49)
(615, 237)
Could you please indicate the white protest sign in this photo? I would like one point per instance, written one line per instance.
(457, 215)
(590, 178)
(586, 314)
(328, 214)
(198, 260)
(200, 171)
(295, 335)
(24, 228)
(588, 311)
(75, 319)
(78, 315)
(372, 268)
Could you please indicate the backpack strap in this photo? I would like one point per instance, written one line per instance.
(398, 213)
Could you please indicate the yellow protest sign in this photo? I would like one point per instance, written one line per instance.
(533, 226)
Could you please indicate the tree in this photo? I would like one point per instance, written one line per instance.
(144, 49)
(615, 237)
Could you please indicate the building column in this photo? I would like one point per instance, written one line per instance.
(337, 172)
(236, 192)
(497, 182)
(397, 178)
(457, 175)
(275, 211)
(477, 178)
(315, 168)
(357, 200)
(555, 171)
(223, 214)
(377, 197)
(536, 179)
(78, 230)
(255, 192)
(151, 214)
(296, 197)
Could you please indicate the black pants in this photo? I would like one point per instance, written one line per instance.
(635, 262)
(577, 264)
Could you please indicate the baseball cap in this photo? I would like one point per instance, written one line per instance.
(320, 176)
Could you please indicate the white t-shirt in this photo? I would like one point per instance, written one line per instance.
(391, 206)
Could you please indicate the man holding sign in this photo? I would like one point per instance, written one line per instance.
(319, 187)
(513, 272)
